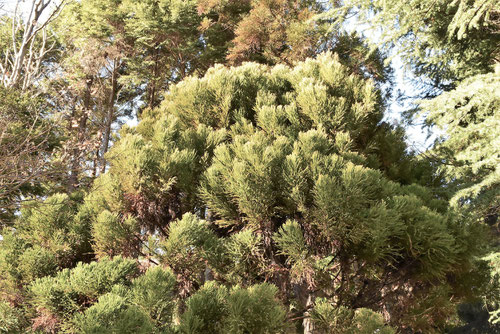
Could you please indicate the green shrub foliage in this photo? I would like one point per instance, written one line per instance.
(155, 294)
(112, 314)
(11, 319)
(71, 289)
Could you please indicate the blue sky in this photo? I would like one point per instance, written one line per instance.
(418, 137)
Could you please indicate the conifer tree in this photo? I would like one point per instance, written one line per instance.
(28, 139)
(287, 168)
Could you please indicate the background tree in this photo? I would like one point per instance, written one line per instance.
(442, 42)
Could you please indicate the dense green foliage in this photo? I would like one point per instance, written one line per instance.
(267, 197)
(289, 155)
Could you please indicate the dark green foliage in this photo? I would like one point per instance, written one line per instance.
(112, 235)
(166, 40)
(53, 225)
(253, 199)
(330, 320)
(28, 137)
(476, 319)
(452, 48)
(254, 310)
(492, 302)
(470, 146)
(191, 248)
(442, 40)
(37, 262)
(45, 238)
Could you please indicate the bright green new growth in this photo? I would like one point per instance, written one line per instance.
(142, 305)
(252, 147)
(62, 294)
(112, 314)
(11, 319)
(154, 294)
(190, 249)
(302, 145)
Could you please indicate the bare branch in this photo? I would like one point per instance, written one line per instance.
(21, 63)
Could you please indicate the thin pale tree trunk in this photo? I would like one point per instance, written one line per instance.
(307, 322)
(82, 128)
(109, 115)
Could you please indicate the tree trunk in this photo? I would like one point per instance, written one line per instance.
(82, 127)
(109, 115)
(305, 298)
(279, 275)
(153, 81)
(267, 232)
(307, 322)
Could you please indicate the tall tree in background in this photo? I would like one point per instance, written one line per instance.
(166, 42)
(220, 21)
(28, 139)
(288, 31)
(91, 68)
(279, 31)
